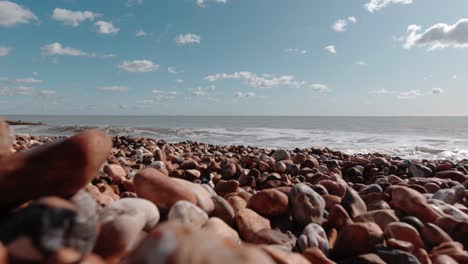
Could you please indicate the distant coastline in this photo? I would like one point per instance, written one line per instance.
(24, 123)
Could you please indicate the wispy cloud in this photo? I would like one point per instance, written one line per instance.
(331, 49)
(257, 81)
(141, 33)
(28, 80)
(245, 95)
(296, 51)
(139, 66)
(320, 88)
(57, 49)
(106, 28)
(114, 88)
(376, 5)
(201, 3)
(73, 18)
(438, 36)
(173, 70)
(160, 95)
(361, 63)
(4, 51)
(409, 94)
(12, 14)
(381, 91)
(47, 92)
(340, 25)
(189, 38)
(130, 3)
(203, 91)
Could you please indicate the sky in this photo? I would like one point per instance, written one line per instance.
(234, 57)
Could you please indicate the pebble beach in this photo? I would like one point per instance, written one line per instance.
(94, 198)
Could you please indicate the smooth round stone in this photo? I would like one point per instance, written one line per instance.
(306, 205)
(418, 170)
(414, 222)
(315, 255)
(229, 171)
(202, 196)
(192, 174)
(313, 236)
(453, 249)
(236, 203)
(160, 189)
(187, 213)
(356, 239)
(404, 232)
(5, 139)
(378, 205)
(224, 187)
(390, 255)
(3, 254)
(372, 188)
(189, 164)
(353, 203)
(80, 158)
(338, 217)
(450, 196)
(219, 228)
(223, 210)
(269, 202)
(172, 243)
(280, 154)
(249, 223)
(413, 203)
(69, 256)
(121, 223)
(381, 217)
(158, 165)
(452, 175)
(434, 235)
(400, 244)
(269, 236)
(115, 171)
(283, 256)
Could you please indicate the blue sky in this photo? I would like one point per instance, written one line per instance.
(234, 57)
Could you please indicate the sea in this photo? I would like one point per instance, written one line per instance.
(404, 137)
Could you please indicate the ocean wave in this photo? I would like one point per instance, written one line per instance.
(404, 146)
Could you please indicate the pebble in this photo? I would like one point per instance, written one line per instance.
(160, 189)
(306, 205)
(356, 239)
(269, 202)
(187, 213)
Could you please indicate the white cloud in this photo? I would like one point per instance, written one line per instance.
(26, 81)
(454, 77)
(331, 49)
(58, 49)
(438, 36)
(73, 18)
(139, 66)
(21, 80)
(437, 90)
(172, 70)
(361, 63)
(12, 14)
(203, 91)
(321, 88)
(131, 3)
(179, 81)
(245, 95)
(376, 5)
(160, 95)
(4, 51)
(381, 92)
(104, 27)
(409, 94)
(201, 3)
(23, 90)
(254, 80)
(141, 33)
(184, 39)
(341, 24)
(47, 92)
(114, 88)
(296, 51)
